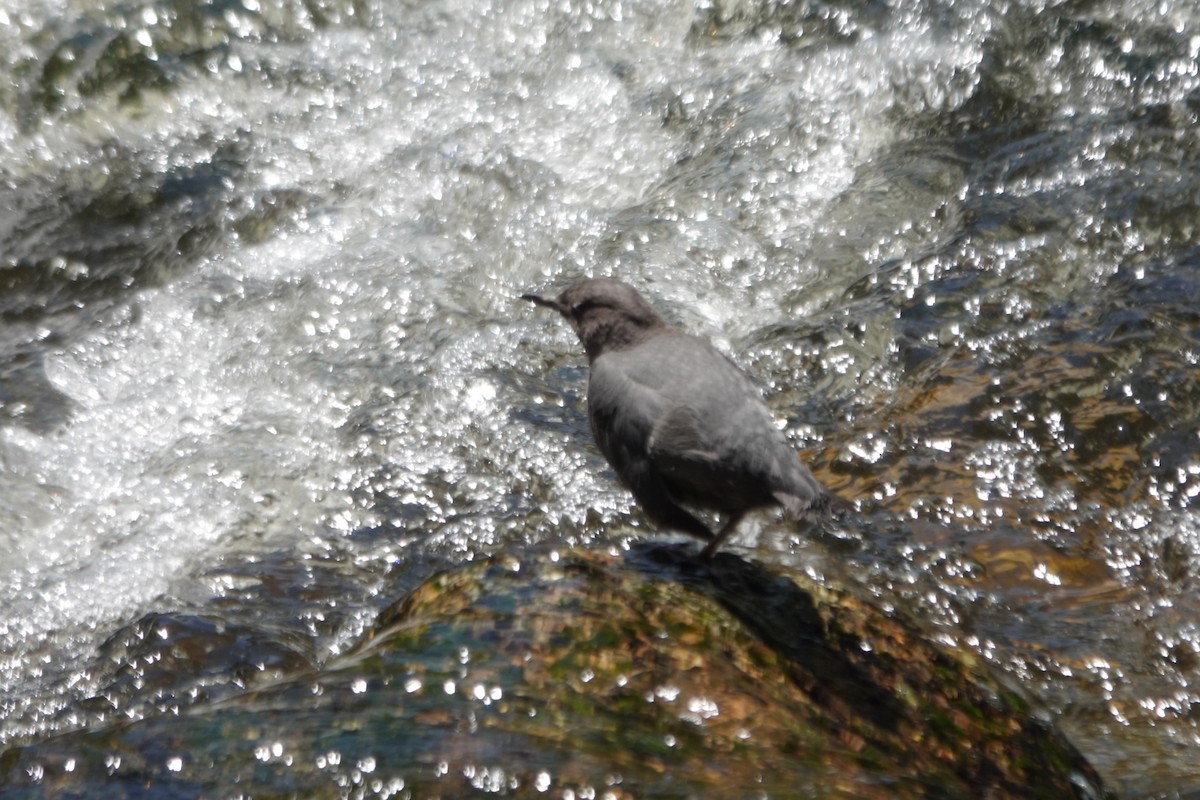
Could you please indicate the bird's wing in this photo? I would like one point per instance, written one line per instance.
(642, 426)
(688, 463)
(714, 440)
(678, 431)
(676, 409)
(622, 414)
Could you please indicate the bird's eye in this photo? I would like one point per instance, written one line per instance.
(582, 307)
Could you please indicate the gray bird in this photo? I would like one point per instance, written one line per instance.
(677, 420)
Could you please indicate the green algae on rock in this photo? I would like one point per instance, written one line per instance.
(643, 676)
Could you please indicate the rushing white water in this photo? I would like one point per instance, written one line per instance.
(447, 158)
(272, 302)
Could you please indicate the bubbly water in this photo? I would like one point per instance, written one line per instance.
(261, 352)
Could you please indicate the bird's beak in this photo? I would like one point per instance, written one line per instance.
(548, 302)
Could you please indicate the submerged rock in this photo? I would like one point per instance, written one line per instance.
(649, 675)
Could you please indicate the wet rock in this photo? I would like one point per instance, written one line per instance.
(155, 47)
(647, 675)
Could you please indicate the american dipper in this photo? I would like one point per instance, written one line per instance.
(677, 420)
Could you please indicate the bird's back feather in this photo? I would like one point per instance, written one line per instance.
(679, 405)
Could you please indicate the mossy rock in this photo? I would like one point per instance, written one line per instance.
(646, 675)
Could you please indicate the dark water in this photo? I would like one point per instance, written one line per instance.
(261, 358)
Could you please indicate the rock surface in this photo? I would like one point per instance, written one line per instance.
(645, 675)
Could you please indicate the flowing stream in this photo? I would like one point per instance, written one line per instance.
(262, 356)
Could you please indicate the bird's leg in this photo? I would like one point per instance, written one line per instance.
(728, 528)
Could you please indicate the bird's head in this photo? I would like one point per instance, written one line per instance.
(605, 313)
